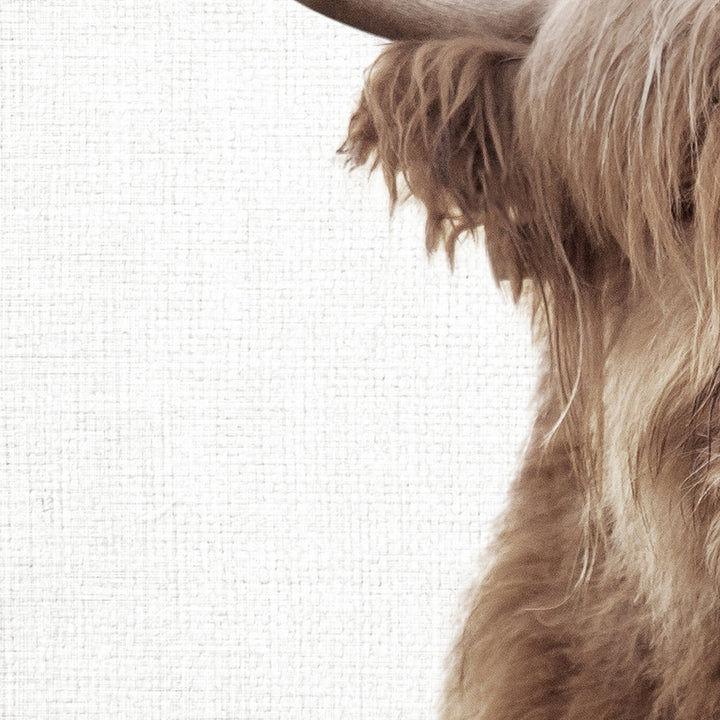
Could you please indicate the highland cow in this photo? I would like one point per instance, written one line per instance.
(584, 137)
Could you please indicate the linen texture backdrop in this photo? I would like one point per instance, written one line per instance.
(252, 439)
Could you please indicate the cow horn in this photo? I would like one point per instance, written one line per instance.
(427, 19)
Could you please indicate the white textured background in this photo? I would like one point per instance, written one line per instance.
(250, 438)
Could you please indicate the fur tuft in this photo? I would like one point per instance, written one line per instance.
(439, 114)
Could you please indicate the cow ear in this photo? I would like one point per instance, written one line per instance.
(439, 115)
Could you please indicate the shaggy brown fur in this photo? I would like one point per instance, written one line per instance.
(591, 155)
